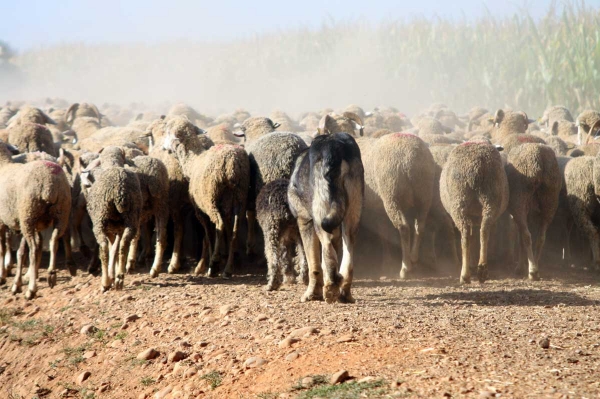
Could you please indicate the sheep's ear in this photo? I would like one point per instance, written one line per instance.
(199, 131)
(276, 125)
(101, 149)
(498, 117)
(139, 117)
(555, 128)
(499, 147)
(323, 124)
(162, 117)
(48, 120)
(70, 114)
(61, 157)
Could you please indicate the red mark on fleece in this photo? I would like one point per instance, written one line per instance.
(55, 168)
(522, 139)
(404, 134)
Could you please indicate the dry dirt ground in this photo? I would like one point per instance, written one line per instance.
(427, 337)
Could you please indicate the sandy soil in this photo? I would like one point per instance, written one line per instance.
(427, 337)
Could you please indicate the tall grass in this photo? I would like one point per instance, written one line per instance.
(495, 62)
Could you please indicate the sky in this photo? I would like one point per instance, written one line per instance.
(27, 24)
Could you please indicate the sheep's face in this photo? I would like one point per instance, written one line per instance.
(510, 121)
(182, 136)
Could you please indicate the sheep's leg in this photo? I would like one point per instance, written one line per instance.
(251, 237)
(125, 248)
(103, 253)
(113, 257)
(289, 273)
(215, 259)
(69, 262)
(484, 234)
(419, 232)
(8, 260)
(274, 259)
(312, 247)
(146, 237)
(404, 230)
(53, 252)
(228, 272)
(302, 263)
(593, 237)
(161, 243)
(202, 266)
(4, 247)
(21, 258)
(465, 241)
(93, 265)
(347, 270)
(175, 262)
(131, 256)
(329, 266)
(35, 257)
(534, 274)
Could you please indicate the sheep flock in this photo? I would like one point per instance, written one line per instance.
(130, 187)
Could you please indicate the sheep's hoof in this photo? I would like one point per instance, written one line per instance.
(482, 273)
(16, 289)
(346, 297)
(226, 275)
(311, 296)
(71, 267)
(172, 269)
(331, 293)
(270, 287)
(403, 273)
(465, 279)
(29, 295)
(52, 278)
(153, 273)
(119, 282)
(93, 270)
(213, 272)
(535, 276)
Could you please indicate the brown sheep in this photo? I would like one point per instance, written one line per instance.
(31, 137)
(31, 115)
(534, 182)
(114, 203)
(219, 177)
(34, 196)
(511, 141)
(256, 127)
(474, 191)
(587, 123)
(554, 114)
(399, 177)
(509, 122)
(346, 123)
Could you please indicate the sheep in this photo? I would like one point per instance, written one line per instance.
(77, 110)
(564, 129)
(271, 157)
(181, 109)
(582, 180)
(474, 191)
(534, 182)
(85, 126)
(554, 114)
(255, 127)
(31, 115)
(219, 177)
(348, 122)
(34, 196)
(115, 136)
(509, 122)
(326, 195)
(154, 186)
(558, 145)
(178, 188)
(285, 122)
(431, 126)
(220, 134)
(587, 122)
(281, 234)
(399, 177)
(114, 203)
(355, 109)
(510, 141)
(6, 113)
(31, 137)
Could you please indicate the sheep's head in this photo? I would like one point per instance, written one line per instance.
(7, 150)
(587, 122)
(563, 128)
(182, 137)
(555, 113)
(428, 125)
(30, 115)
(112, 156)
(346, 123)
(256, 127)
(84, 109)
(511, 121)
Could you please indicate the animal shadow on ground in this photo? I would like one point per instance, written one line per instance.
(517, 297)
